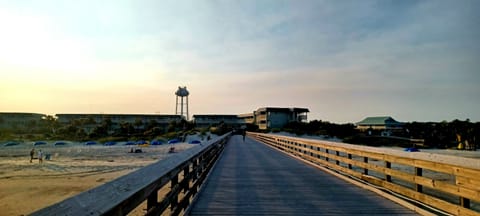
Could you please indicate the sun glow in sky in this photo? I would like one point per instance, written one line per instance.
(344, 60)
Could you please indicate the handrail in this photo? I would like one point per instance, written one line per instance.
(124, 194)
(434, 180)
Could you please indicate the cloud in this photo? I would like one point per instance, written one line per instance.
(343, 60)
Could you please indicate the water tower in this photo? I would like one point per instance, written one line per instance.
(182, 93)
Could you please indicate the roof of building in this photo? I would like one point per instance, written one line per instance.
(20, 114)
(215, 116)
(112, 115)
(282, 109)
(378, 120)
(246, 115)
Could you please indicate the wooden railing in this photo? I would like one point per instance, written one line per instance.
(441, 182)
(185, 170)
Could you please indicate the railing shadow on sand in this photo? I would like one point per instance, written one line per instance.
(185, 171)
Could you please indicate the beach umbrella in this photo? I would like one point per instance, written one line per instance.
(59, 143)
(130, 143)
(39, 143)
(11, 144)
(194, 142)
(156, 142)
(412, 149)
(90, 143)
(173, 141)
(141, 142)
(110, 143)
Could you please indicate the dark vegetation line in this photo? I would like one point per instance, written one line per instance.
(435, 134)
(106, 130)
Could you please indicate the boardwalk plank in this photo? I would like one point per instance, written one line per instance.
(253, 179)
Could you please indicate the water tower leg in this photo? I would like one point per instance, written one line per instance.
(181, 106)
(176, 106)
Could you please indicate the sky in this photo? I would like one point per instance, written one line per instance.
(343, 60)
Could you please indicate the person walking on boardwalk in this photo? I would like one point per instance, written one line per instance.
(244, 133)
(32, 152)
(40, 156)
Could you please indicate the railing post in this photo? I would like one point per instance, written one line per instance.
(326, 151)
(418, 172)
(365, 170)
(194, 169)
(186, 178)
(388, 165)
(174, 201)
(349, 164)
(464, 202)
(318, 150)
(337, 153)
(194, 175)
(152, 201)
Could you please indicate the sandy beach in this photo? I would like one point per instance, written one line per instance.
(26, 187)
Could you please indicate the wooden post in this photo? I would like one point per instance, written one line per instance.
(350, 165)
(152, 200)
(388, 165)
(464, 202)
(338, 154)
(318, 149)
(174, 201)
(186, 179)
(418, 172)
(194, 169)
(365, 170)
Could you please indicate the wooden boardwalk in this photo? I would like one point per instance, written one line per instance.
(254, 179)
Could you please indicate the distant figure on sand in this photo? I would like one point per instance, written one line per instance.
(32, 152)
(40, 156)
(244, 133)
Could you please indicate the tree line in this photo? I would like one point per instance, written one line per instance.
(87, 128)
(453, 134)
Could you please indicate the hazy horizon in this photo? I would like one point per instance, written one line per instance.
(343, 60)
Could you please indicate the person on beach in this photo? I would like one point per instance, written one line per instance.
(32, 152)
(244, 133)
(40, 156)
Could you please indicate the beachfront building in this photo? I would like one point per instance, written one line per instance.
(206, 121)
(385, 124)
(19, 120)
(264, 118)
(247, 118)
(276, 117)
